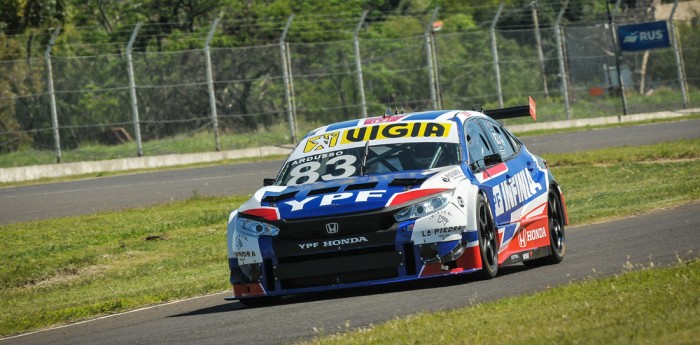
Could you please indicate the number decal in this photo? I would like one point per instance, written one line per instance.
(347, 167)
(304, 173)
(309, 172)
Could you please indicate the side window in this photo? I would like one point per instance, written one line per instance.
(478, 144)
(504, 145)
(515, 142)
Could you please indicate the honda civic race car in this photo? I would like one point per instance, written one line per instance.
(397, 198)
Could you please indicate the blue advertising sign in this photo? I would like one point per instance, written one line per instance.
(643, 36)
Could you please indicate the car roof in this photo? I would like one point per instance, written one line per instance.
(433, 126)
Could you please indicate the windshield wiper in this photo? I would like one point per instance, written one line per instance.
(364, 158)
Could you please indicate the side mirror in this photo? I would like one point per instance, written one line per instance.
(492, 159)
(268, 182)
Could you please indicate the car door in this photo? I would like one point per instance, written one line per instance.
(504, 170)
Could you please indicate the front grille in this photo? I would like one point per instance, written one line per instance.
(350, 266)
(354, 224)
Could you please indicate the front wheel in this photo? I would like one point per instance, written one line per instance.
(557, 236)
(488, 239)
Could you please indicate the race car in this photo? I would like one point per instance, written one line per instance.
(396, 198)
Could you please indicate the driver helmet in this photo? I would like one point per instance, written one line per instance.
(423, 154)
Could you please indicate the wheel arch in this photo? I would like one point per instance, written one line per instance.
(554, 186)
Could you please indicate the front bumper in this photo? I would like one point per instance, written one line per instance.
(379, 263)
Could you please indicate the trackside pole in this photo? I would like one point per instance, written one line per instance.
(677, 55)
(618, 56)
(287, 84)
(210, 86)
(358, 64)
(52, 95)
(560, 57)
(494, 52)
(429, 57)
(132, 90)
(538, 41)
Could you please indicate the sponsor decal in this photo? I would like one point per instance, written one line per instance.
(514, 191)
(395, 130)
(318, 157)
(526, 256)
(442, 232)
(382, 119)
(514, 257)
(246, 249)
(379, 130)
(644, 36)
(454, 173)
(333, 243)
(321, 142)
(330, 199)
(633, 37)
(245, 254)
(530, 235)
(460, 201)
(441, 217)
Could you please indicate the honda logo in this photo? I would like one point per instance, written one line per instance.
(332, 228)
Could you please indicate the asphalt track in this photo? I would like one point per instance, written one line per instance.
(596, 250)
(44, 201)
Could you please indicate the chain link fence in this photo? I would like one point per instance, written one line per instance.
(272, 94)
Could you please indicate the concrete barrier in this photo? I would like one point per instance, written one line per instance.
(35, 172)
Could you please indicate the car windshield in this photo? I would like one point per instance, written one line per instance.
(368, 160)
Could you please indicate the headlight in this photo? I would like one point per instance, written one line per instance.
(423, 208)
(255, 228)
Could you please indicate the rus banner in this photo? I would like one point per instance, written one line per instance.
(643, 36)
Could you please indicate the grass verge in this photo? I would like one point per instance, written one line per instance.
(648, 306)
(69, 269)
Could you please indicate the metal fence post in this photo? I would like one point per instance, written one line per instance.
(677, 55)
(287, 86)
(52, 95)
(358, 64)
(429, 57)
(292, 95)
(210, 86)
(618, 56)
(494, 52)
(560, 57)
(132, 89)
(538, 42)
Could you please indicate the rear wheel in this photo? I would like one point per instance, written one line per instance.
(557, 236)
(488, 239)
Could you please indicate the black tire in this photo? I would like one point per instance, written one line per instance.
(488, 239)
(557, 236)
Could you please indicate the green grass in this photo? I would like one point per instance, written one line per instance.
(68, 269)
(587, 128)
(648, 306)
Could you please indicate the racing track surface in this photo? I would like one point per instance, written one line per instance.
(137, 190)
(593, 251)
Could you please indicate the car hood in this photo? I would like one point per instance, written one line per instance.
(350, 195)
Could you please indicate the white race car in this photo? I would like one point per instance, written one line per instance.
(395, 198)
